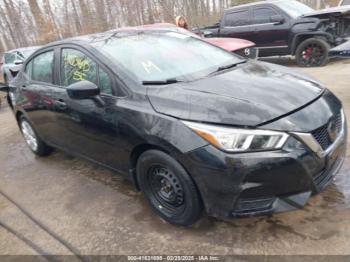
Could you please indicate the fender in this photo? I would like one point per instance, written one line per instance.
(295, 39)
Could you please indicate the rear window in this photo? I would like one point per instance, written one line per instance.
(238, 18)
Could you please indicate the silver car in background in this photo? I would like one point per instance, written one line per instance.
(344, 2)
(12, 61)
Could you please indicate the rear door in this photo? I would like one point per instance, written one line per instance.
(237, 24)
(37, 93)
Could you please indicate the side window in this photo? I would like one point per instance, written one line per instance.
(10, 58)
(76, 66)
(43, 67)
(105, 83)
(29, 69)
(237, 18)
(263, 15)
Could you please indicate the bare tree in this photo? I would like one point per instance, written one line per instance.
(29, 22)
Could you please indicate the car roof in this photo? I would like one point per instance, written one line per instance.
(23, 49)
(255, 3)
(88, 39)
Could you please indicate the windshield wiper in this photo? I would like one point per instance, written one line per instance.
(225, 67)
(162, 82)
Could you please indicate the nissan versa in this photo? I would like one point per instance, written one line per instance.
(193, 126)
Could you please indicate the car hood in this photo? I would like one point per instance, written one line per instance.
(249, 95)
(230, 44)
(341, 10)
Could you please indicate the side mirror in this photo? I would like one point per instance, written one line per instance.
(83, 90)
(277, 19)
(18, 62)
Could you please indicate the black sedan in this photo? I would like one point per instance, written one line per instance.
(193, 126)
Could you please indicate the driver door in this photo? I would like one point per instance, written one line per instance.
(88, 128)
(270, 36)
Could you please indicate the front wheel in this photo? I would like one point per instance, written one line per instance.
(168, 188)
(34, 142)
(312, 52)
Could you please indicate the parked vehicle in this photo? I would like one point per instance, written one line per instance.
(287, 27)
(344, 2)
(238, 46)
(12, 61)
(341, 51)
(193, 126)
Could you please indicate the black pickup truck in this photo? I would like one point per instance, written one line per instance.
(286, 27)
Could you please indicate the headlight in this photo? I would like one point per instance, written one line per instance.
(239, 140)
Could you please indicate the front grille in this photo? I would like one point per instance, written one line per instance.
(322, 135)
(322, 179)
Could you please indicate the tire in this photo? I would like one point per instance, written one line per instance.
(168, 188)
(34, 142)
(312, 52)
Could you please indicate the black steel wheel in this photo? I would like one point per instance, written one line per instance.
(312, 52)
(168, 188)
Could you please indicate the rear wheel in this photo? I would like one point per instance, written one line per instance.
(312, 52)
(168, 188)
(34, 142)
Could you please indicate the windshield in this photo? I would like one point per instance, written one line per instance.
(167, 55)
(294, 8)
(346, 2)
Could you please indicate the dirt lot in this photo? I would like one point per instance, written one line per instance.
(64, 205)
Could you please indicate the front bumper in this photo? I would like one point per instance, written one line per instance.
(238, 185)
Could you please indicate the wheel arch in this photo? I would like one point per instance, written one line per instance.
(299, 38)
(135, 155)
(142, 148)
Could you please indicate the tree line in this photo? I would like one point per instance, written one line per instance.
(35, 22)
